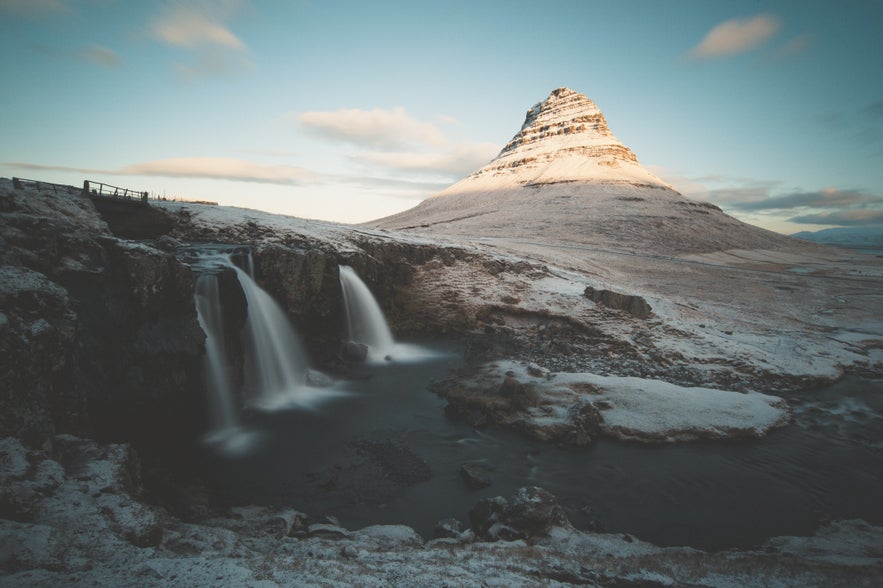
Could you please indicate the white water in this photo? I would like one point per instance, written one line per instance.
(365, 321)
(222, 411)
(275, 362)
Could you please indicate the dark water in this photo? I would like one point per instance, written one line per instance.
(363, 458)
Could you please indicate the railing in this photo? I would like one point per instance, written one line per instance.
(19, 183)
(102, 190)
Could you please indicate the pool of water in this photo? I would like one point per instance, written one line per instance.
(384, 452)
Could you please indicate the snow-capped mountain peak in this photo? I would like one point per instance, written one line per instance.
(565, 178)
(564, 138)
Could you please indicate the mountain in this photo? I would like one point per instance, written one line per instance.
(868, 239)
(565, 178)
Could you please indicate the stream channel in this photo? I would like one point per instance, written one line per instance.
(384, 452)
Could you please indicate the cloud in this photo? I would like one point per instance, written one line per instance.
(736, 36)
(100, 55)
(826, 198)
(196, 24)
(218, 168)
(850, 218)
(377, 128)
(198, 27)
(795, 46)
(456, 163)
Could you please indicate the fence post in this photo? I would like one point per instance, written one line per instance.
(16, 183)
(85, 187)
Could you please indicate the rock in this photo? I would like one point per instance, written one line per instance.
(521, 396)
(137, 523)
(35, 351)
(353, 351)
(389, 536)
(634, 305)
(400, 465)
(474, 476)
(317, 379)
(531, 512)
(325, 531)
(350, 551)
(24, 546)
(537, 371)
(448, 529)
(585, 423)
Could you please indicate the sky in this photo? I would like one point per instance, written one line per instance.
(351, 111)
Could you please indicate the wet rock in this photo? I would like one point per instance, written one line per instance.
(353, 351)
(474, 476)
(530, 512)
(448, 529)
(400, 465)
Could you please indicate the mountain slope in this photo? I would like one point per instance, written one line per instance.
(565, 178)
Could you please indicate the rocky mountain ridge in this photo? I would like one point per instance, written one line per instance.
(568, 130)
(565, 178)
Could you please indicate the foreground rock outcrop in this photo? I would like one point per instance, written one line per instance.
(574, 408)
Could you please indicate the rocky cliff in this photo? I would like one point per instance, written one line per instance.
(98, 335)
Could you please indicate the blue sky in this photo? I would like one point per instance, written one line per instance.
(349, 111)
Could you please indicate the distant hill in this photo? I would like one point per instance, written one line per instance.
(867, 239)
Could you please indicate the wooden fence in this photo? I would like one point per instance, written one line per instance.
(102, 190)
(19, 183)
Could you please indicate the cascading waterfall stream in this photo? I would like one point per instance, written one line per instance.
(222, 410)
(276, 372)
(365, 321)
(275, 362)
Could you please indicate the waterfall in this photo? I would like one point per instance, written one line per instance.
(222, 411)
(365, 321)
(275, 362)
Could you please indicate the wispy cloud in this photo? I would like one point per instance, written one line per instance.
(456, 162)
(218, 168)
(736, 36)
(825, 198)
(394, 141)
(100, 56)
(843, 218)
(198, 26)
(793, 47)
(376, 129)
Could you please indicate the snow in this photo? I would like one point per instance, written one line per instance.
(641, 409)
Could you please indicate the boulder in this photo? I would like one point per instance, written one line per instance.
(530, 512)
(353, 351)
(474, 476)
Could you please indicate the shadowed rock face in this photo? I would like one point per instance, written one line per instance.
(98, 335)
